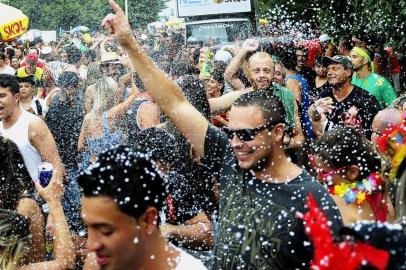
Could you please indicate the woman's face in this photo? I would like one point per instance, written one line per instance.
(15, 63)
(327, 174)
(213, 88)
(320, 70)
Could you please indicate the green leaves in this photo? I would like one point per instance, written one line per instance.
(53, 14)
(383, 20)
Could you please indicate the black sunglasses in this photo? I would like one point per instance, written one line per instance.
(247, 134)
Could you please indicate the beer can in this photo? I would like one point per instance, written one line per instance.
(45, 173)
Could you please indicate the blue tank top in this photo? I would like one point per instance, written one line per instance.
(304, 107)
(97, 145)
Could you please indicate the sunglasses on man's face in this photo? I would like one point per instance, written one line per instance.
(247, 134)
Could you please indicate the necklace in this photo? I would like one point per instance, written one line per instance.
(357, 191)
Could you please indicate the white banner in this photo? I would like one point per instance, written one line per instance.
(188, 8)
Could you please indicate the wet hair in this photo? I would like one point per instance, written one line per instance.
(68, 78)
(10, 52)
(14, 177)
(288, 57)
(345, 146)
(10, 82)
(159, 144)
(301, 48)
(91, 54)
(104, 95)
(218, 74)
(179, 69)
(34, 48)
(261, 55)
(74, 54)
(14, 236)
(271, 107)
(129, 178)
(93, 74)
(195, 93)
(31, 79)
(346, 43)
(195, 56)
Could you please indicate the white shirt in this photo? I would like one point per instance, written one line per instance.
(18, 133)
(34, 107)
(7, 70)
(187, 262)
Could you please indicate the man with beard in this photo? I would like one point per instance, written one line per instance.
(302, 69)
(261, 189)
(343, 103)
(365, 77)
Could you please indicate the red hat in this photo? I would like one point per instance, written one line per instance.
(31, 58)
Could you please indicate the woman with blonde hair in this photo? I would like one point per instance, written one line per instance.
(101, 126)
(15, 235)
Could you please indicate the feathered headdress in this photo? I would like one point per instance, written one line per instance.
(328, 255)
(393, 142)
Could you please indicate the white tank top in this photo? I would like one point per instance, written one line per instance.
(18, 133)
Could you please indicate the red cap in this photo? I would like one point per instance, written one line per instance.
(31, 58)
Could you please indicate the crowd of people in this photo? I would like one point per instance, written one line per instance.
(174, 154)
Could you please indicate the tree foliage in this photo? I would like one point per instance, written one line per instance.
(382, 20)
(53, 14)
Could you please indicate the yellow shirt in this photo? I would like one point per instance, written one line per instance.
(22, 73)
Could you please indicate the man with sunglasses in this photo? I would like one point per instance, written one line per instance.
(261, 190)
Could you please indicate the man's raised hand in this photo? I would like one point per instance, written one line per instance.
(250, 45)
(117, 24)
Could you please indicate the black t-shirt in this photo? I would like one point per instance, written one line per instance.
(315, 92)
(257, 224)
(182, 202)
(64, 122)
(359, 107)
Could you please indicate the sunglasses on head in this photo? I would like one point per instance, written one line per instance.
(247, 134)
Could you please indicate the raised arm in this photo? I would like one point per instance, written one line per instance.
(64, 249)
(41, 138)
(231, 73)
(163, 90)
(224, 103)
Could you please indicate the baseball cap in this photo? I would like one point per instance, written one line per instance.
(31, 58)
(337, 59)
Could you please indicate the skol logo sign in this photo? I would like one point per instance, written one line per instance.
(13, 29)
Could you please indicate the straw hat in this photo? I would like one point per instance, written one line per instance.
(109, 58)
